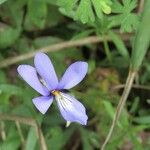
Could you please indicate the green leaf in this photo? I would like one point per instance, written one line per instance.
(136, 141)
(57, 138)
(6, 38)
(142, 39)
(67, 4)
(126, 6)
(85, 140)
(11, 89)
(2, 77)
(105, 7)
(124, 15)
(45, 40)
(36, 16)
(24, 110)
(90, 139)
(94, 139)
(110, 110)
(134, 105)
(98, 8)
(31, 139)
(2, 1)
(13, 11)
(54, 17)
(82, 34)
(102, 6)
(85, 10)
(92, 66)
(12, 141)
(129, 22)
(7, 90)
(23, 45)
(119, 44)
(142, 119)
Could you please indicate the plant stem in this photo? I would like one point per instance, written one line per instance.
(20, 133)
(136, 86)
(59, 46)
(140, 7)
(30, 122)
(2, 130)
(120, 106)
(107, 50)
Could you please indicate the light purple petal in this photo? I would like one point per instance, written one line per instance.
(46, 70)
(73, 75)
(29, 74)
(71, 109)
(42, 103)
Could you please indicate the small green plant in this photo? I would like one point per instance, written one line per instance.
(112, 36)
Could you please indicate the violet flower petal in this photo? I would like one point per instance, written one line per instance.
(29, 74)
(46, 70)
(71, 109)
(42, 103)
(73, 75)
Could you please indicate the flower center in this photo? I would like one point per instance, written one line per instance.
(55, 93)
(62, 99)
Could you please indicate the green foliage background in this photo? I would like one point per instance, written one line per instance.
(27, 25)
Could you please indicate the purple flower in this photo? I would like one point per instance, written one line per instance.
(44, 80)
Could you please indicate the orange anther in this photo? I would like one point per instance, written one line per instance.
(55, 92)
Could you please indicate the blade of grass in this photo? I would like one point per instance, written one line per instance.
(119, 44)
(142, 39)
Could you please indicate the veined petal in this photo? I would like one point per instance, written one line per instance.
(29, 74)
(42, 103)
(71, 109)
(73, 75)
(46, 70)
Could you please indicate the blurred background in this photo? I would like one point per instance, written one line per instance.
(106, 32)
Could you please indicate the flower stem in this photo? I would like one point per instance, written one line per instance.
(120, 106)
